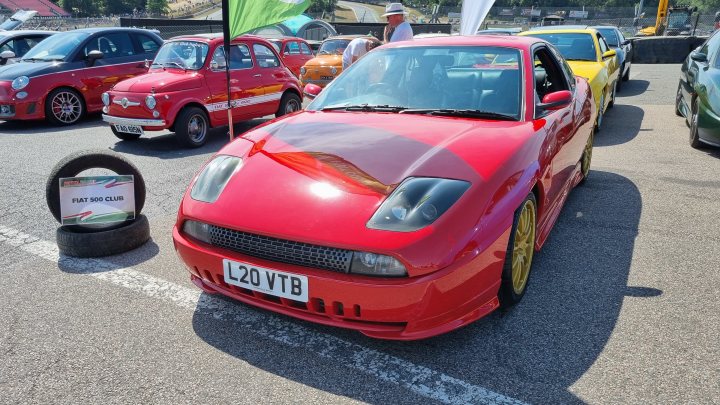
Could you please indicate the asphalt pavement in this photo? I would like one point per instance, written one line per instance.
(621, 308)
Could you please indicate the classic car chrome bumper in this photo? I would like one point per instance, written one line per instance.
(133, 121)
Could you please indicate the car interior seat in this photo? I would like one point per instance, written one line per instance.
(503, 96)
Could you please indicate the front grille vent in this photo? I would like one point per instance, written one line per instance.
(283, 251)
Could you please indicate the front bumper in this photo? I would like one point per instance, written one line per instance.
(398, 309)
(133, 121)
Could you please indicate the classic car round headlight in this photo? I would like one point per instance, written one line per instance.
(303, 70)
(105, 99)
(150, 102)
(20, 82)
(333, 70)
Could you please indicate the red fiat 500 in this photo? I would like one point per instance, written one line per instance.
(186, 89)
(62, 77)
(295, 52)
(408, 199)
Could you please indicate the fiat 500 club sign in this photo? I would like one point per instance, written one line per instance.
(96, 200)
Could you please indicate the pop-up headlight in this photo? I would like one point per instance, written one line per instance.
(214, 177)
(416, 203)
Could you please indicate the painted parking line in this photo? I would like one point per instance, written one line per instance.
(419, 379)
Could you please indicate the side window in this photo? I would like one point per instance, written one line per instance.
(712, 46)
(218, 59)
(8, 46)
(240, 57)
(549, 76)
(148, 44)
(265, 57)
(603, 44)
(292, 48)
(113, 45)
(305, 49)
(565, 67)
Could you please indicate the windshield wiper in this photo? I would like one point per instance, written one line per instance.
(454, 112)
(365, 107)
(176, 64)
(32, 59)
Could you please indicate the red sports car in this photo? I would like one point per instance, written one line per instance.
(407, 200)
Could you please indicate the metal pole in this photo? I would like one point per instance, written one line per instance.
(226, 46)
(697, 18)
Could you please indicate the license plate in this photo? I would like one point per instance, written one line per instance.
(129, 129)
(326, 77)
(273, 282)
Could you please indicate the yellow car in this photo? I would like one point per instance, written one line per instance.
(327, 65)
(589, 56)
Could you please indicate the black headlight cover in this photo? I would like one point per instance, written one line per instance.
(416, 203)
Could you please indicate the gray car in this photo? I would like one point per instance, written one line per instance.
(622, 46)
(15, 44)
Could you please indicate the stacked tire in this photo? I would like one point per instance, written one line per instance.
(105, 239)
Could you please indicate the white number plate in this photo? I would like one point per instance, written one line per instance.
(273, 282)
(129, 129)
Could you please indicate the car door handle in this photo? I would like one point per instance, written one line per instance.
(258, 75)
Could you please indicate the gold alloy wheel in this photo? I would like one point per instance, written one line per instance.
(523, 247)
(587, 156)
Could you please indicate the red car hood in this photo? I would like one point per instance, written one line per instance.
(161, 81)
(318, 177)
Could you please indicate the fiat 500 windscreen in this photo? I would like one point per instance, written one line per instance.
(482, 82)
(187, 55)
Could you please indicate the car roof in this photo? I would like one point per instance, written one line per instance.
(19, 33)
(109, 29)
(560, 27)
(509, 41)
(562, 30)
(213, 37)
(350, 36)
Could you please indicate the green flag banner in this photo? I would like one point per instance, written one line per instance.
(246, 15)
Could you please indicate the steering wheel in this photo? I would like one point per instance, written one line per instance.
(380, 88)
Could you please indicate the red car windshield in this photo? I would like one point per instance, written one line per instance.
(188, 55)
(457, 78)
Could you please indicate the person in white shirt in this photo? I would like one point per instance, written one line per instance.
(397, 29)
(357, 48)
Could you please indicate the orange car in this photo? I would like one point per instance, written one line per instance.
(327, 65)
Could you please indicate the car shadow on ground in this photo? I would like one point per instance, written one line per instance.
(166, 146)
(620, 124)
(134, 257)
(44, 127)
(633, 87)
(534, 352)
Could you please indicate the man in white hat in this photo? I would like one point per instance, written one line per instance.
(397, 29)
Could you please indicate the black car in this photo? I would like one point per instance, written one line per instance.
(622, 46)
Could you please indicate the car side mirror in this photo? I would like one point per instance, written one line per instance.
(94, 56)
(556, 100)
(147, 64)
(698, 56)
(5, 56)
(311, 90)
(609, 54)
(626, 42)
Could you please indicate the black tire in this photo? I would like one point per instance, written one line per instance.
(78, 162)
(626, 76)
(124, 135)
(586, 158)
(104, 243)
(601, 114)
(613, 92)
(678, 99)
(694, 121)
(64, 106)
(192, 127)
(289, 103)
(619, 80)
(508, 293)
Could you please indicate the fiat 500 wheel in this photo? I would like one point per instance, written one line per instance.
(64, 106)
(289, 103)
(191, 127)
(519, 255)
